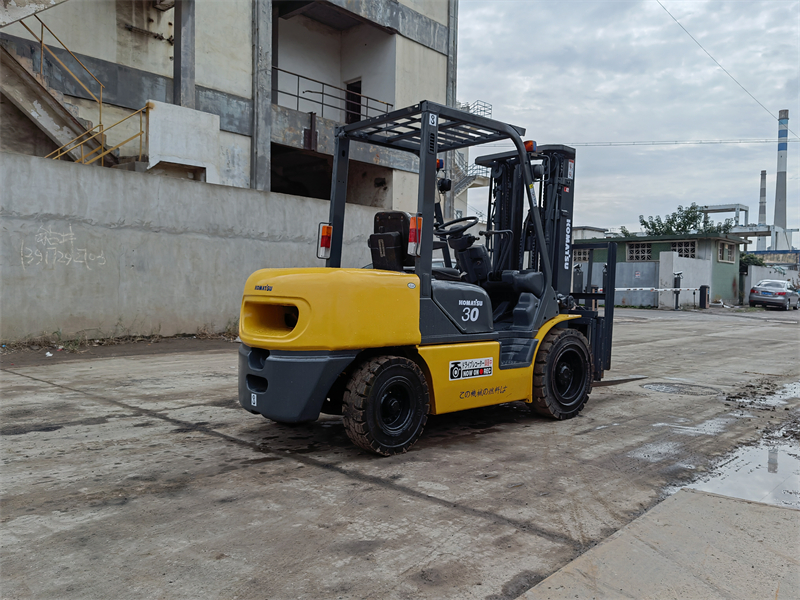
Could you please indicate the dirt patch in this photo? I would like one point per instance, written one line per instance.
(754, 389)
(786, 430)
(28, 357)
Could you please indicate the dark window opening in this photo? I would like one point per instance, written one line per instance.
(353, 102)
(300, 172)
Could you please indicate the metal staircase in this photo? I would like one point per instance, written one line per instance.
(26, 90)
(464, 175)
(76, 139)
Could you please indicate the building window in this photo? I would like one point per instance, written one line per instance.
(580, 255)
(726, 252)
(685, 249)
(639, 251)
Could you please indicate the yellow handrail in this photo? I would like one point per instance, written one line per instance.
(75, 77)
(69, 147)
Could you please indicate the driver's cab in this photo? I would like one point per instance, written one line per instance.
(464, 285)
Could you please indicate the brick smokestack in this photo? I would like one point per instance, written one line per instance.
(761, 243)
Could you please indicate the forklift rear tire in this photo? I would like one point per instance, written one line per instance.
(562, 374)
(386, 405)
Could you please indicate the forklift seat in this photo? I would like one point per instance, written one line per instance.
(525, 281)
(446, 274)
(388, 245)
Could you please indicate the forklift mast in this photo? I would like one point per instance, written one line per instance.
(510, 233)
(559, 192)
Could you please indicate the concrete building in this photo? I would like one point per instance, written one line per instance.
(244, 94)
(651, 261)
(278, 75)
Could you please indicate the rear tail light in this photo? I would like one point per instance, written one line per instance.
(324, 241)
(414, 236)
(753, 291)
(780, 293)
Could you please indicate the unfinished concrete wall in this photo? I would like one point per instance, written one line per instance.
(433, 9)
(19, 9)
(313, 50)
(183, 136)
(368, 54)
(19, 134)
(93, 250)
(223, 45)
(420, 74)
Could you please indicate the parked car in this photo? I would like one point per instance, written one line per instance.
(770, 292)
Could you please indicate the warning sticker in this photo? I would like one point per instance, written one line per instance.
(468, 369)
(571, 169)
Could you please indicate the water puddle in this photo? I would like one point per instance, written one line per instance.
(767, 473)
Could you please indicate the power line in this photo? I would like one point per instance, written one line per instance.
(659, 143)
(717, 62)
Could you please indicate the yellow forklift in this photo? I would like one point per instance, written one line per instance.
(492, 322)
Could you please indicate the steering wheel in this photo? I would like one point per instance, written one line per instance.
(452, 229)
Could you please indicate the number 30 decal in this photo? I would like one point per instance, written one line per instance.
(470, 314)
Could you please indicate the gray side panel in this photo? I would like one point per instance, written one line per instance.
(433, 322)
(468, 306)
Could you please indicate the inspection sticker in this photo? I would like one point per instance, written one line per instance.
(468, 369)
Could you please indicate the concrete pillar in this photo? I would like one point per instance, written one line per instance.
(262, 95)
(451, 98)
(183, 60)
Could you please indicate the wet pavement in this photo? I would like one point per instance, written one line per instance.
(765, 473)
(140, 476)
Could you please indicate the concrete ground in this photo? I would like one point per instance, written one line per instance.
(140, 477)
(692, 545)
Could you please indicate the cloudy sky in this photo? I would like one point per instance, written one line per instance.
(604, 71)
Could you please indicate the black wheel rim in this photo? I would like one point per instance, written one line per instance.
(395, 407)
(569, 376)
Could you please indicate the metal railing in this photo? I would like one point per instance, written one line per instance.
(40, 39)
(88, 158)
(304, 91)
(478, 107)
(468, 170)
(96, 134)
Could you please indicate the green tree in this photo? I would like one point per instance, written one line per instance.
(684, 220)
(748, 259)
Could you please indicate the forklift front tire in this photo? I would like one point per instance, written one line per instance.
(562, 374)
(386, 404)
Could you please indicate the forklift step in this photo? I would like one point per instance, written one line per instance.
(516, 353)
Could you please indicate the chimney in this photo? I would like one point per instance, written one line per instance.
(761, 243)
(780, 181)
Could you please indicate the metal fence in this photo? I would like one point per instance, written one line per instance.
(328, 101)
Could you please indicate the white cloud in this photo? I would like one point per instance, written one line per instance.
(625, 71)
